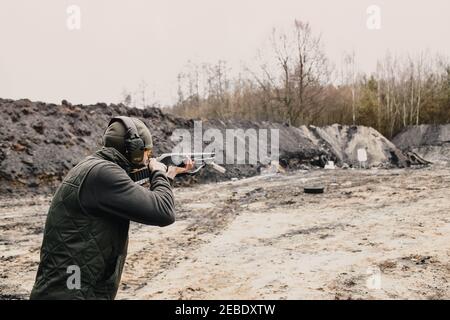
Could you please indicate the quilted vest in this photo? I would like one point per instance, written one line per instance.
(83, 253)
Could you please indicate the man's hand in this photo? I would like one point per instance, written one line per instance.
(173, 171)
(155, 165)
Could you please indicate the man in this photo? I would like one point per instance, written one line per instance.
(86, 232)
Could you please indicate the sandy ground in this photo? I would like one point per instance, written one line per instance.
(374, 234)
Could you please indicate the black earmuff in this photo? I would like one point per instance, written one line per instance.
(134, 145)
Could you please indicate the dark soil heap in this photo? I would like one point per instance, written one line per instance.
(40, 142)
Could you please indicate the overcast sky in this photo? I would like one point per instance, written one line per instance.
(121, 43)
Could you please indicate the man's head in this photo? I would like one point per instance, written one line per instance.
(131, 137)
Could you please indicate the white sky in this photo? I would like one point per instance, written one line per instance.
(122, 43)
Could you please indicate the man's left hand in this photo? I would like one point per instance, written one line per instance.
(173, 171)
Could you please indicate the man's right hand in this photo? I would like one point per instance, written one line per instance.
(155, 165)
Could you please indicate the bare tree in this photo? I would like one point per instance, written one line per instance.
(297, 76)
(142, 92)
(126, 98)
(349, 79)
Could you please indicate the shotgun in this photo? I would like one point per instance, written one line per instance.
(200, 159)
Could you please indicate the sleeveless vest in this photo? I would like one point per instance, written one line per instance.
(83, 253)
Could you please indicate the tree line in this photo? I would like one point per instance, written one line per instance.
(292, 81)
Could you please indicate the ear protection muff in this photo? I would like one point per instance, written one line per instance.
(134, 145)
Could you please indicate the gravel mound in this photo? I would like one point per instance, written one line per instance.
(345, 141)
(431, 142)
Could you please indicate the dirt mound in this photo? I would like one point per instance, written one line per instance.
(40, 142)
(431, 142)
